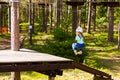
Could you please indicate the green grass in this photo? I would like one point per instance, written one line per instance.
(103, 55)
(2, 36)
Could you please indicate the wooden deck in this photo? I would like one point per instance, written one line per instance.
(25, 55)
(29, 60)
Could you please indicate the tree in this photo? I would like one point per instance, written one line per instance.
(0, 17)
(111, 22)
(119, 35)
(57, 12)
(89, 17)
(94, 16)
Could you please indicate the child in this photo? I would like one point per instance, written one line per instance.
(79, 44)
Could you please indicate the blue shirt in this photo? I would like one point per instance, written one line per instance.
(79, 39)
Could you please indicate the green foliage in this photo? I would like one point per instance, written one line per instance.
(101, 21)
(4, 36)
(100, 40)
(61, 35)
(61, 45)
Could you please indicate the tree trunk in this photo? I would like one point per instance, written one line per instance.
(119, 35)
(27, 12)
(51, 12)
(0, 18)
(57, 13)
(74, 18)
(79, 15)
(111, 22)
(43, 18)
(89, 17)
(9, 19)
(46, 17)
(94, 16)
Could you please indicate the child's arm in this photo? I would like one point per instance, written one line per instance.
(82, 35)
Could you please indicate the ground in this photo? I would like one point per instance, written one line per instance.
(5, 43)
(107, 63)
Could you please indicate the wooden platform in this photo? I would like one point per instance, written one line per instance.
(29, 60)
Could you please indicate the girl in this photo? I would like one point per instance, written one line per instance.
(79, 44)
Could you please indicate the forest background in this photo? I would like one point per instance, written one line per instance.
(54, 33)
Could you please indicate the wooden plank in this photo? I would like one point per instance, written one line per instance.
(40, 67)
(91, 70)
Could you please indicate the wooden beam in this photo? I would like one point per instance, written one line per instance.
(74, 3)
(91, 70)
(4, 3)
(43, 4)
(111, 4)
(35, 66)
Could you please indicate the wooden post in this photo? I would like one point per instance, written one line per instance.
(15, 76)
(31, 20)
(51, 78)
(14, 33)
(14, 27)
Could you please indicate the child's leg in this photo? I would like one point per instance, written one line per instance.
(81, 47)
(74, 47)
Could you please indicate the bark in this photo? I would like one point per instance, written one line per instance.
(111, 23)
(57, 13)
(0, 18)
(9, 19)
(74, 18)
(46, 17)
(79, 15)
(43, 18)
(119, 35)
(89, 17)
(51, 15)
(94, 16)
